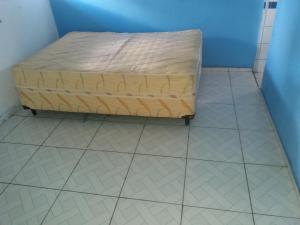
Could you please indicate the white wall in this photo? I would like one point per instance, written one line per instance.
(25, 27)
(264, 39)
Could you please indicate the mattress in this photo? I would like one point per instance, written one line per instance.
(148, 74)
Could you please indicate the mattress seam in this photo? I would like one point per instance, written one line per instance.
(112, 95)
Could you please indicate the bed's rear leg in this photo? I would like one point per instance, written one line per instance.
(187, 119)
(33, 111)
(25, 107)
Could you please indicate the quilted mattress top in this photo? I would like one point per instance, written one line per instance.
(162, 53)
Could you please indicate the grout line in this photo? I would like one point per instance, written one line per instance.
(148, 154)
(221, 128)
(3, 182)
(247, 180)
(61, 189)
(12, 129)
(122, 197)
(256, 82)
(223, 210)
(285, 217)
(32, 155)
(6, 185)
(211, 103)
(157, 155)
(34, 186)
(279, 141)
(146, 200)
(185, 172)
(240, 140)
(282, 149)
(123, 184)
(264, 21)
(95, 134)
(89, 193)
(238, 163)
(51, 132)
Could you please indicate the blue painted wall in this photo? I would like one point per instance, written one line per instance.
(230, 26)
(281, 84)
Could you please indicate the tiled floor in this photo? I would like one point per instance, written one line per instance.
(226, 168)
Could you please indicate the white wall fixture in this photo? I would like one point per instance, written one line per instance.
(25, 27)
(264, 38)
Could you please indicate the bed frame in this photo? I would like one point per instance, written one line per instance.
(137, 74)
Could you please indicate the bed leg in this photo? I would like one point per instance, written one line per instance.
(33, 111)
(187, 119)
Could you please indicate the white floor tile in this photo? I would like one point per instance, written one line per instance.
(32, 130)
(215, 144)
(121, 137)
(216, 185)
(239, 69)
(272, 220)
(73, 134)
(272, 191)
(81, 209)
(215, 78)
(164, 140)
(8, 125)
(247, 95)
(200, 216)
(129, 119)
(165, 121)
(214, 69)
(242, 78)
(216, 193)
(25, 205)
(215, 116)
(261, 147)
(155, 178)
(23, 112)
(253, 117)
(49, 167)
(214, 94)
(2, 187)
(12, 158)
(100, 173)
(136, 212)
(259, 81)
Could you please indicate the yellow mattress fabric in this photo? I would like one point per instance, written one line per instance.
(147, 74)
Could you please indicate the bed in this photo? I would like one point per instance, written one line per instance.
(140, 74)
